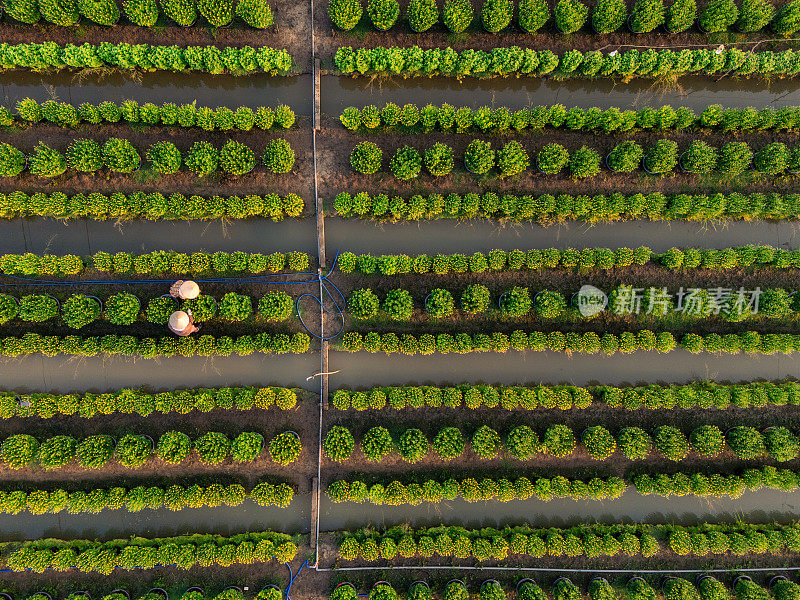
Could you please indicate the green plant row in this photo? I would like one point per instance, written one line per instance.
(583, 540)
(699, 394)
(152, 263)
(66, 13)
(751, 342)
(633, 302)
(637, 588)
(549, 208)
(523, 443)
(396, 493)
(143, 403)
(553, 258)
(664, 157)
(79, 310)
(50, 56)
(193, 593)
(174, 497)
(130, 112)
(570, 16)
(128, 345)
(146, 553)
(505, 61)
(447, 118)
(118, 155)
(152, 206)
(133, 450)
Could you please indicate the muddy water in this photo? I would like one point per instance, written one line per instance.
(180, 88)
(59, 374)
(87, 237)
(693, 92)
(762, 505)
(223, 520)
(474, 236)
(363, 370)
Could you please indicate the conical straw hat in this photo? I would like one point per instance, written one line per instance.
(178, 320)
(189, 290)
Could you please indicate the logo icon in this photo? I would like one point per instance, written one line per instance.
(591, 301)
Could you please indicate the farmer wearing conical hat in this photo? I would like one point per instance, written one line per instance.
(184, 290)
(182, 323)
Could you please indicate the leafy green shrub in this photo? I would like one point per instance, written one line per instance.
(85, 156)
(516, 302)
(512, 159)
(479, 157)
(718, 15)
(24, 11)
(218, 13)
(398, 305)
(236, 158)
(377, 443)
(406, 163)
(120, 156)
(12, 161)
(133, 450)
(449, 443)
(212, 447)
(338, 443)
(699, 158)
(646, 15)
(279, 156)
(787, 19)
(570, 15)
(276, 306)
(552, 158)
(439, 303)
(584, 162)
(159, 310)
(681, 15)
(475, 299)
(285, 448)
(345, 14)
(94, 451)
(781, 444)
(141, 12)
(366, 158)
(635, 443)
(671, 443)
(59, 12)
(255, 13)
(363, 304)
(122, 308)
(496, 14)
(37, 308)
(609, 15)
(439, 159)
(9, 308)
(183, 12)
(46, 162)
(173, 447)
(18, 451)
(457, 15)
(486, 442)
(102, 12)
(772, 159)
(550, 305)
(661, 157)
(746, 442)
(625, 157)
(599, 442)
(55, 452)
(235, 307)
(165, 157)
(202, 158)
(79, 310)
(707, 440)
(522, 442)
(558, 440)
(734, 158)
(755, 15)
(533, 14)
(383, 13)
(413, 445)
(422, 14)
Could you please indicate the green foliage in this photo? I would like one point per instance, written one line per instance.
(486, 442)
(338, 443)
(141, 12)
(183, 12)
(366, 158)
(120, 156)
(681, 15)
(475, 299)
(496, 15)
(345, 14)
(718, 15)
(449, 443)
(398, 305)
(533, 14)
(285, 448)
(512, 159)
(457, 15)
(79, 310)
(122, 308)
(59, 12)
(236, 158)
(479, 157)
(165, 157)
(218, 13)
(46, 162)
(413, 445)
(377, 443)
(256, 13)
(422, 14)
(707, 440)
(552, 158)
(12, 161)
(671, 442)
(570, 15)
(755, 15)
(406, 163)
(662, 157)
(439, 159)
(516, 302)
(647, 15)
(609, 15)
(279, 156)
(85, 156)
(440, 303)
(102, 12)
(599, 442)
(383, 13)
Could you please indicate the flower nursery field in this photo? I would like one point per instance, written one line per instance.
(499, 300)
